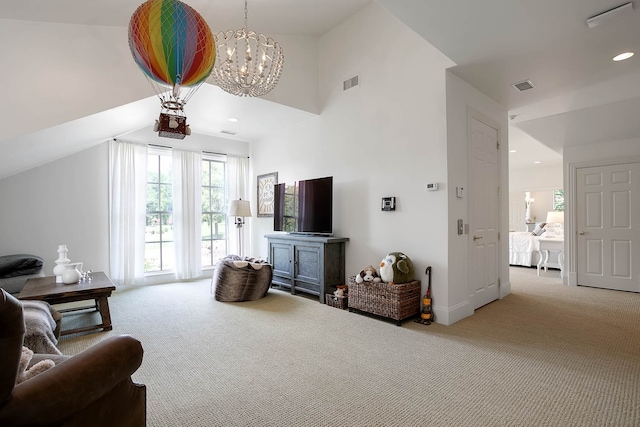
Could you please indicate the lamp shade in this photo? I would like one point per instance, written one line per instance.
(239, 208)
(555, 217)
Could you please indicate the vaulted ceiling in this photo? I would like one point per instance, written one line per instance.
(580, 97)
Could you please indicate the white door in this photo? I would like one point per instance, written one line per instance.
(607, 224)
(484, 209)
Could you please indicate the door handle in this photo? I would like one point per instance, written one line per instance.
(476, 238)
(582, 233)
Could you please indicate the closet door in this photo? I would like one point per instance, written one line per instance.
(607, 226)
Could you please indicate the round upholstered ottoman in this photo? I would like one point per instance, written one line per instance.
(241, 279)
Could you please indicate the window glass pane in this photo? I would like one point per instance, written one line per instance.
(217, 200)
(168, 256)
(558, 200)
(166, 201)
(167, 227)
(166, 174)
(205, 173)
(152, 230)
(206, 253)
(153, 203)
(153, 168)
(206, 199)
(205, 226)
(152, 257)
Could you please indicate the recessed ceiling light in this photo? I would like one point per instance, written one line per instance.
(233, 119)
(513, 151)
(537, 162)
(623, 56)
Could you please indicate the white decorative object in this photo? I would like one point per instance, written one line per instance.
(71, 273)
(61, 262)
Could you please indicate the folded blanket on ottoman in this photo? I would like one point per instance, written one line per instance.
(42, 324)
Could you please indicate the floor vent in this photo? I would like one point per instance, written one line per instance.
(352, 82)
(228, 132)
(522, 86)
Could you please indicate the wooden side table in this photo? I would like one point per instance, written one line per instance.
(98, 289)
(548, 245)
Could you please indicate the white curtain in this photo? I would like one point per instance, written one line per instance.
(238, 188)
(127, 211)
(187, 213)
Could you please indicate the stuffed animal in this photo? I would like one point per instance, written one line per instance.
(397, 268)
(339, 293)
(368, 274)
(24, 373)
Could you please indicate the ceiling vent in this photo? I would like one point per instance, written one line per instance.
(352, 82)
(609, 15)
(524, 85)
(228, 132)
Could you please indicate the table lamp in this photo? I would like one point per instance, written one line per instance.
(240, 209)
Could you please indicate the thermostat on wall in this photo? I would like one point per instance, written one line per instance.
(432, 186)
(388, 203)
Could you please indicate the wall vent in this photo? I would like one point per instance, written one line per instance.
(352, 82)
(228, 132)
(524, 85)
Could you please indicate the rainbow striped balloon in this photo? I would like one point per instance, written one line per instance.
(171, 43)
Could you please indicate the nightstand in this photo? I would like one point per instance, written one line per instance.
(548, 245)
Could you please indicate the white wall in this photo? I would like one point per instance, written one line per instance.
(536, 178)
(62, 202)
(386, 137)
(462, 102)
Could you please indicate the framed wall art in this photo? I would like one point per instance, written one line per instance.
(266, 187)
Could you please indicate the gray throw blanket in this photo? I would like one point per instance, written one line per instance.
(40, 321)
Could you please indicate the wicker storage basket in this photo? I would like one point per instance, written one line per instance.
(394, 301)
(337, 302)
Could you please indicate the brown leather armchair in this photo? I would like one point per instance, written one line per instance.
(93, 388)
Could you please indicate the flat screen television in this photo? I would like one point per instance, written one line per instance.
(304, 207)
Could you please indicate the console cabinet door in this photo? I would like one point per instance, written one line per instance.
(281, 256)
(307, 263)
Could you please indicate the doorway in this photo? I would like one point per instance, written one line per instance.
(607, 233)
(484, 213)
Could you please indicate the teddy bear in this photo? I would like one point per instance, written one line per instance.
(397, 268)
(368, 274)
(24, 373)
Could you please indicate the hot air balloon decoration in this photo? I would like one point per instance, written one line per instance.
(175, 49)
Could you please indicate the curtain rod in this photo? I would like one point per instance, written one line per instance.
(169, 147)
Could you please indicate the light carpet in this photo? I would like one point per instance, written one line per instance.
(545, 355)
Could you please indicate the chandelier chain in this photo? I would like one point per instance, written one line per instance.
(246, 13)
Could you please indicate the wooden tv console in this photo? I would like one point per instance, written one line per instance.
(309, 264)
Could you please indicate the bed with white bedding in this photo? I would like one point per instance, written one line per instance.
(523, 248)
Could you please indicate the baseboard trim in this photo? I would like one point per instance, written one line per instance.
(449, 316)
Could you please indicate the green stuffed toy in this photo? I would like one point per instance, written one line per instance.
(396, 268)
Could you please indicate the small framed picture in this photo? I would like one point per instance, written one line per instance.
(266, 188)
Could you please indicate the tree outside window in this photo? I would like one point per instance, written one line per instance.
(558, 200)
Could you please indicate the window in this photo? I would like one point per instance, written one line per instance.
(558, 200)
(290, 217)
(159, 251)
(159, 247)
(214, 224)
